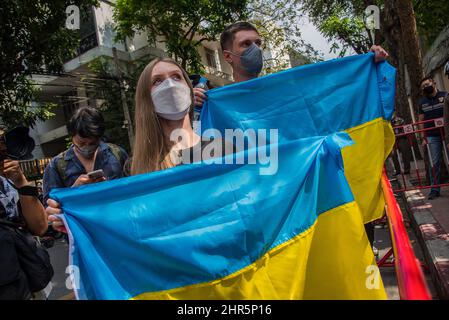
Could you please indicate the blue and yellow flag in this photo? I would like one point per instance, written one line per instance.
(226, 231)
(352, 94)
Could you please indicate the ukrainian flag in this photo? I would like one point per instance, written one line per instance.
(217, 231)
(352, 94)
(224, 231)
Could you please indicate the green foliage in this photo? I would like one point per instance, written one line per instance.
(342, 23)
(278, 22)
(33, 39)
(349, 30)
(15, 108)
(431, 18)
(68, 142)
(182, 25)
(107, 90)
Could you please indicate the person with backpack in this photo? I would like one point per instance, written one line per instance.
(87, 154)
(24, 265)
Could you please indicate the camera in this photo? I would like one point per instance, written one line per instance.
(16, 144)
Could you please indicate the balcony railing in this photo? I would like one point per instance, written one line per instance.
(87, 42)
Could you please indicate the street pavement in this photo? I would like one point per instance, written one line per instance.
(59, 255)
(430, 219)
(440, 209)
(382, 241)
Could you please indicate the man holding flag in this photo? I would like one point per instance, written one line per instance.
(241, 46)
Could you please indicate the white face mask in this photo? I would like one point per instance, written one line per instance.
(172, 99)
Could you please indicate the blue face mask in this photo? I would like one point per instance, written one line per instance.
(251, 59)
(87, 152)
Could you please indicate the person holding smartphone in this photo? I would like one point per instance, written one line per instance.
(88, 160)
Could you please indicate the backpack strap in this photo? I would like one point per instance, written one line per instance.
(61, 166)
(117, 152)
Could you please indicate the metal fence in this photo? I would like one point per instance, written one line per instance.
(34, 169)
(417, 174)
(412, 284)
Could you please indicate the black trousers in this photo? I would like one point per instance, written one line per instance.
(369, 228)
(406, 155)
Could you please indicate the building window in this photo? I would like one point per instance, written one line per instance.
(210, 56)
(87, 31)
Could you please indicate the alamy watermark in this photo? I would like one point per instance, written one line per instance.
(261, 146)
(372, 17)
(73, 17)
(73, 280)
(373, 279)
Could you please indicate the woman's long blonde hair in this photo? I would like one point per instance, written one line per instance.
(151, 148)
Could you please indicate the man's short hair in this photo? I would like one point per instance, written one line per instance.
(228, 34)
(426, 78)
(87, 123)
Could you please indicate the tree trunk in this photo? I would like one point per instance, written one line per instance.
(412, 49)
(392, 33)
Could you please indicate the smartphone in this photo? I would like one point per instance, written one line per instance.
(96, 174)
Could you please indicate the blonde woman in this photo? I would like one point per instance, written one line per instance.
(163, 121)
(164, 136)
